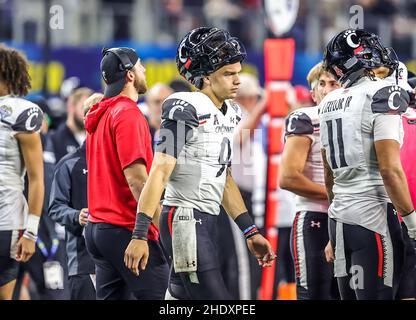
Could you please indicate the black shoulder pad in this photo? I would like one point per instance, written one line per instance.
(298, 122)
(180, 110)
(30, 120)
(392, 99)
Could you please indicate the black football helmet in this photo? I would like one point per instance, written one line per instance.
(351, 52)
(204, 50)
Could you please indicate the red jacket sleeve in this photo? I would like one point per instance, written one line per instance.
(132, 136)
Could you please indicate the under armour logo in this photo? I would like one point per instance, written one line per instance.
(315, 224)
(232, 120)
(395, 212)
(84, 171)
(216, 122)
(192, 264)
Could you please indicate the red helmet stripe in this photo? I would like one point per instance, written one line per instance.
(358, 50)
(188, 63)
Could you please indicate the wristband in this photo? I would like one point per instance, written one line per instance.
(410, 220)
(246, 225)
(32, 224)
(30, 236)
(141, 228)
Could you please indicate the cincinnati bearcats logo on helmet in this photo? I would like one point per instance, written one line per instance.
(351, 38)
(204, 50)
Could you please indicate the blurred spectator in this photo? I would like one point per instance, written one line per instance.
(175, 20)
(179, 85)
(65, 139)
(252, 101)
(71, 134)
(6, 19)
(121, 14)
(68, 207)
(303, 96)
(154, 99)
(224, 14)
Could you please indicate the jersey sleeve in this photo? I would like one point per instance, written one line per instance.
(388, 127)
(390, 100)
(132, 136)
(180, 111)
(179, 117)
(29, 120)
(298, 123)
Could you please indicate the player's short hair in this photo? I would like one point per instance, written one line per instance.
(314, 74)
(92, 100)
(77, 95)
(14, 71)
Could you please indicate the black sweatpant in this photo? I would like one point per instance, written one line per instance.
(308, 240)
(368, 265)
(114, 281)
(210, 285)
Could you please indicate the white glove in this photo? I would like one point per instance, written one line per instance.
(410, 222)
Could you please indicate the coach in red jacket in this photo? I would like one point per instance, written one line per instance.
(119, 157)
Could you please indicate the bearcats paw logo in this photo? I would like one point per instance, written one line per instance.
(351, 37)
(393, 92)
(33, 113)
(178, 104)
(295, 116)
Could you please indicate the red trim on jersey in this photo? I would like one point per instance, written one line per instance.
(380, 255)
(170, 216)
(295, 247)
(203, 122)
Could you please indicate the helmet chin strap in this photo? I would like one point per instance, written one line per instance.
(350, 78)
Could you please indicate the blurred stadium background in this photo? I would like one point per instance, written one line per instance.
(63, 40)
(154, 27)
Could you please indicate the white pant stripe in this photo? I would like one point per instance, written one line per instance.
(340, 262)
(300, 248)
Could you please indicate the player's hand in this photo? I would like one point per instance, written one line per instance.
(83, 216)
(25, 249)
(329, 252)
(261, 249)
(137, 252)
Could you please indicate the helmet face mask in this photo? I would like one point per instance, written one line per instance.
(205, 50)
(350, 53)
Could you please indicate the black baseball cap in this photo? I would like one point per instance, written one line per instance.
(114, 65)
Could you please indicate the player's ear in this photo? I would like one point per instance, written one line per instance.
(206, 81)
(313, 95)
(130, 75)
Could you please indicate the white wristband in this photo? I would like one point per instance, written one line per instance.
(32, 224)
(410, 220)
